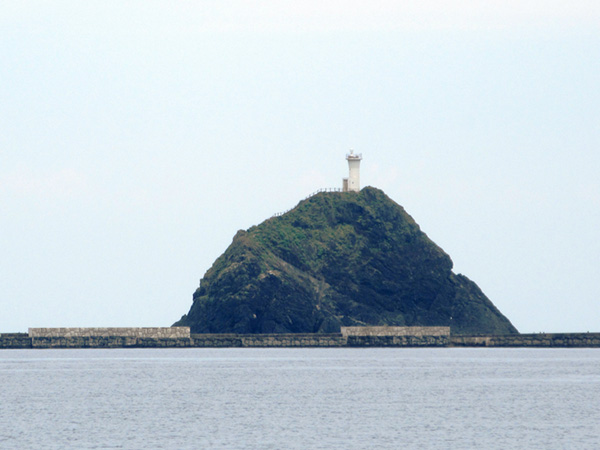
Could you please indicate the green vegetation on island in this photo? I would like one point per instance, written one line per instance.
(338, 259)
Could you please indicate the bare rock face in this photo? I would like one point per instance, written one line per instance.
(338, 259)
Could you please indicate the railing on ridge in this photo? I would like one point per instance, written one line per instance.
(309, 196)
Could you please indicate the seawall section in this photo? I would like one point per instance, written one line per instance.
(375, 339)
(395, 331)
(269, 340)
(389, 336)
(108, 342)
(529, 340)
(398, 341)
(125, 332)
(15, 340)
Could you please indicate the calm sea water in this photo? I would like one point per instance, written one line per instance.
(300, 399)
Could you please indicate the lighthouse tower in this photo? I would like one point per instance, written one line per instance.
(352, 184)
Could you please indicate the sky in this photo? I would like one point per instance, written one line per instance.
(137, 137)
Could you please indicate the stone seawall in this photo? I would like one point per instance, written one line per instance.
(131, 332)
(529, 340)
(398, 341)
(107, 342)
(395, 331)
(268, 340)
(570, 340)
(15, 340)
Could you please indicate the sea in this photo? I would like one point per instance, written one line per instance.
(300, 398)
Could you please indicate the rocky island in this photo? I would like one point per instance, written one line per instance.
(353, 258)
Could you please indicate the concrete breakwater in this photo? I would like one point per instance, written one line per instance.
(395, 331)
(98, 338)
(396, 336)
(268, 340)
(15, 340)
(138, 332)
(221, 340)
(349, 337)
(181, 337)
(529, 340)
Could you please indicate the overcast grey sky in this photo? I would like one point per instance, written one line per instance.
(137, 137)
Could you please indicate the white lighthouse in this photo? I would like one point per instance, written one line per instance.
(352, 184)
